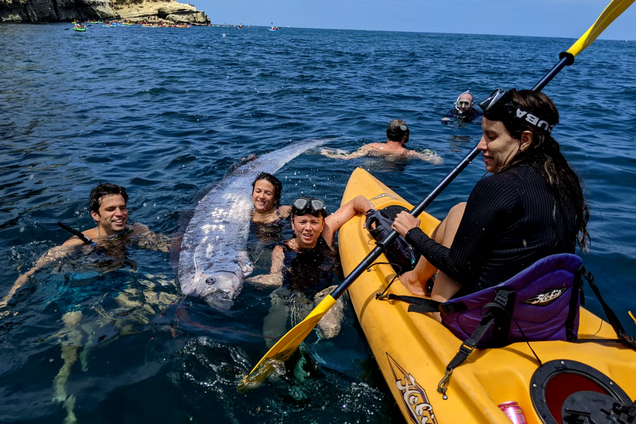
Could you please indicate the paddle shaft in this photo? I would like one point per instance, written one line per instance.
(566, 59)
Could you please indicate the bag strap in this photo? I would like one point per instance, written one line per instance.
(499, 313)
(573, 313)
(623, 337)
(424, 305)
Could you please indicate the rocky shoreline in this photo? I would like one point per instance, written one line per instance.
(35, 11)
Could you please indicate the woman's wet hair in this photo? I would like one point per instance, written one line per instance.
(544, 154)
(278, 186)
(106, 189)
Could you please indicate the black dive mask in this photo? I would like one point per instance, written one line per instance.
(500, 107)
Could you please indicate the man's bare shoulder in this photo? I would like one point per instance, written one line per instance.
(75, 240)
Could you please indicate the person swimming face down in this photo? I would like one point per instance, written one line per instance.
(308, 220)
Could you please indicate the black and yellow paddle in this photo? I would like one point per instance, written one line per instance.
(283, 349)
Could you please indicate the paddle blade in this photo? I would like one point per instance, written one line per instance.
(283, 349)
(611, 12)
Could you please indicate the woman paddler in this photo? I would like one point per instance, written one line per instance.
(532, 205)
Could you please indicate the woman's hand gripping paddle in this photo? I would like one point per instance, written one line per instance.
(283, 349)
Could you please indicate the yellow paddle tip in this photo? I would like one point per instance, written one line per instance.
(267, 368)
(632, 315)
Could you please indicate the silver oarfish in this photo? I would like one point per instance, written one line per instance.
(213, 260)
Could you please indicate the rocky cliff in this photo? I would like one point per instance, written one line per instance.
(68, 10)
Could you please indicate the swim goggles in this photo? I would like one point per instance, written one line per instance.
(500, 107)
(309, 205)
(463, 103)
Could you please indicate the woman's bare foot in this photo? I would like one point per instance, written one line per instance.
(416, 287)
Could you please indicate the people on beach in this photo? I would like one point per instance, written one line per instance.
(464, 110)
(532, 205)
(397, 134)
(305, 266)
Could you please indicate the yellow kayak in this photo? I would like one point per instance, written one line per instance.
(413, 350)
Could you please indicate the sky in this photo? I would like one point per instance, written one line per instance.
(543, 18)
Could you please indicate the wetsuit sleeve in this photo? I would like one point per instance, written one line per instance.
(488, 209)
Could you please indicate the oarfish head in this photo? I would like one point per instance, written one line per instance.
(221, 288)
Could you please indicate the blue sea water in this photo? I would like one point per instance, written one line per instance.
(167, 113)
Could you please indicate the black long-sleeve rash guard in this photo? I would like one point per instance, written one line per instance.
(511, 220)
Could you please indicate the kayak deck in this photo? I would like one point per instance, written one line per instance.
(413, 350)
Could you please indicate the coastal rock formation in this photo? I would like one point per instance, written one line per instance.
(160, 11)
(31, 11)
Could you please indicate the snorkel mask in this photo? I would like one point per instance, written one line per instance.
(462, 106)
(500, 107)
(309, 206)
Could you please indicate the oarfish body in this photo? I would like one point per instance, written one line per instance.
(213, 260)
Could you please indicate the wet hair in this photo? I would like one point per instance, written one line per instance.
(544, 154)
(278, 186)
(397, 130)
(107, 189)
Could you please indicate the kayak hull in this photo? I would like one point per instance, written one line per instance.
(413, 350)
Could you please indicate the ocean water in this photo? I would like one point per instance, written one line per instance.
(167, 113)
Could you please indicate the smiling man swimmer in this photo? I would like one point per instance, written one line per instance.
(397, 134)
(107, 203)
(107, 242)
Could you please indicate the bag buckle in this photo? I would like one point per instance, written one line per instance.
(467, 347)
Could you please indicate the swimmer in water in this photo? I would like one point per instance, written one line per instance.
(397, 135)
(266, 193)
(305, 266)
(464, 110)
(107, 203)
(268, 216)
(110, 237)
